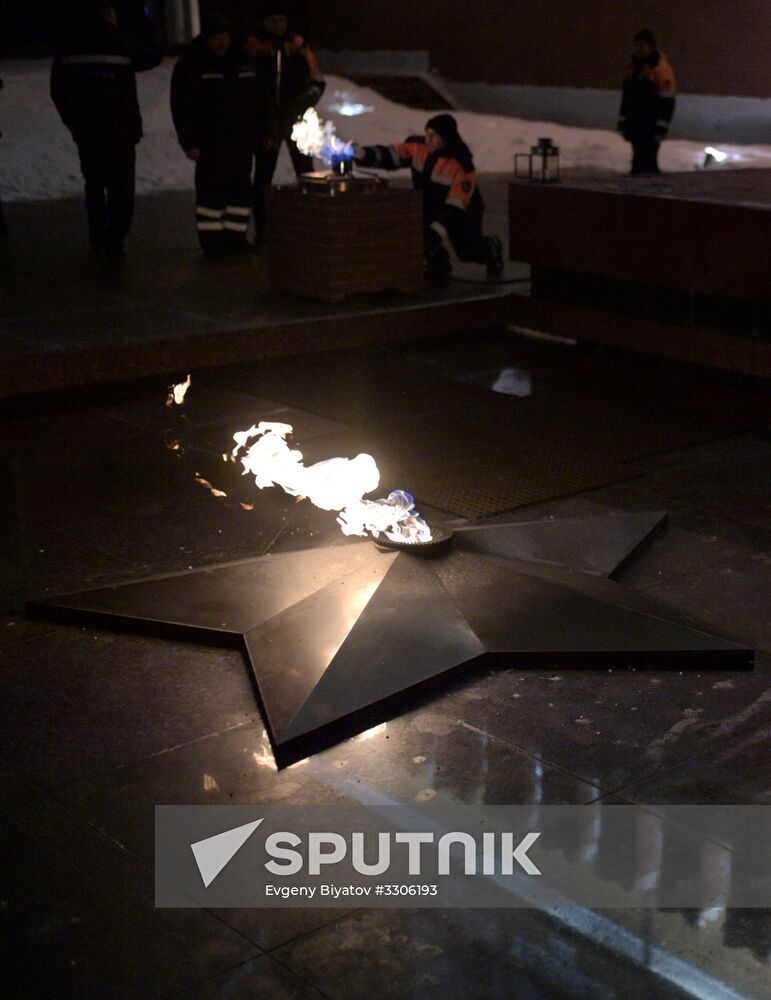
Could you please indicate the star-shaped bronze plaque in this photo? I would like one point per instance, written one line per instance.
(339, 638)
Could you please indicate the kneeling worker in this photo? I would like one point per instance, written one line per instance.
(443, 169)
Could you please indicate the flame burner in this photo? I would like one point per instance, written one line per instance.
(342, 165)
(340, 180)
(440, 541)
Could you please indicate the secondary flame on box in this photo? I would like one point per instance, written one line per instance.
(338, 484)
(317, 138)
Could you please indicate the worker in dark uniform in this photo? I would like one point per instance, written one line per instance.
(93, 86)
(647, 103)
(453, 211)
(288, 83)
(213, 99)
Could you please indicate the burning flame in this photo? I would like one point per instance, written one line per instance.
(177, 393)
(212, 489)
(317, 138)
(264, 758)
(338, 484)
(172, 442)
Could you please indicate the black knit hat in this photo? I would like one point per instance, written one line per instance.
(214, 24)
(646, 36)
(444, 126)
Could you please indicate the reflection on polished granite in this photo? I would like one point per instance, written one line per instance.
(168, 305)
(316, 626)
(97, 727)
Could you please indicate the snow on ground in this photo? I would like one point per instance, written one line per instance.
(38, 158)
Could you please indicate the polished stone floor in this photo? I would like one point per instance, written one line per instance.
(96, 726)
(168, 304)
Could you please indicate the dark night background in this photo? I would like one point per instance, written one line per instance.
(578, 44)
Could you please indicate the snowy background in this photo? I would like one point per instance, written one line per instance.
(38, 158)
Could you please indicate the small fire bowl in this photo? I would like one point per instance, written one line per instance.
(441, 540)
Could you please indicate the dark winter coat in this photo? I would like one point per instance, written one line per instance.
(93, 83)
(288, 83)
(647, 99)
(452, 204)
(213, 99)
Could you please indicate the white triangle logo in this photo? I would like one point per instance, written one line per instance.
(211, 855)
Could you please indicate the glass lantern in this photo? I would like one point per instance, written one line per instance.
(543, 162)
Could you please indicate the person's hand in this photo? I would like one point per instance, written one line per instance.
(193, 154)
(358, 153)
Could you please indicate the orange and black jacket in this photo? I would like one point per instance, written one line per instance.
(647, 99)
(288, 81)
(452, 204)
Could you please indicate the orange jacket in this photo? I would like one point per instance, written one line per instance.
(451, 200)
(288, 82)
(662, 74)
(648, 98)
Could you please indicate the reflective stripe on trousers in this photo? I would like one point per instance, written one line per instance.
(237, 218)
(209, 219)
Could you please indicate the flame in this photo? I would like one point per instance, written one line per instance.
(264, 758)
(172, 442)
(177, 392)
(212, 489)
(338, 484)
(317, 138)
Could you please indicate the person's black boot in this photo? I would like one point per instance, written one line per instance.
(438, 265)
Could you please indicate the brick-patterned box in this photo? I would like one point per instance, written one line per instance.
(329, 247)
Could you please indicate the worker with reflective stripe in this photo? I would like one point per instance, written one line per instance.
(93, 86)
(213, 106)
(288, 83)
(443, 169)
(647, 103)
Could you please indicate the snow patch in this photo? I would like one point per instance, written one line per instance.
(38, 158)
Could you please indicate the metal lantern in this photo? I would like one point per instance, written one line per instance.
(543, 162)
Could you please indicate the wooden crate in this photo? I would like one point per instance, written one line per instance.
(330, 248)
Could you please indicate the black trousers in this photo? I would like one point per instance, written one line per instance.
(264, 167)
(645, 151)
(474, 247)
(469, 244)
(107, 166)
(223, 195)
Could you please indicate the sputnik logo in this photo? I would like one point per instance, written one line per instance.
(213, 853)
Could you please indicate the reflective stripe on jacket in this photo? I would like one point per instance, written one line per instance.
(448, 180)
(93, 84)
(213, 99)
